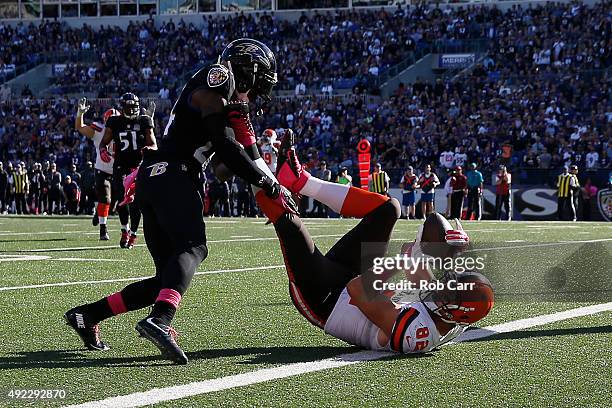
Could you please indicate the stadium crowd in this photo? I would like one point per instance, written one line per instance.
(538, 99)
(331, 48)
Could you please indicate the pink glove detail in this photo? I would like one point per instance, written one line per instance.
(129, 185)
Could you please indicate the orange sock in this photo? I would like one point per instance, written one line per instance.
(358, 203)
(103, 209)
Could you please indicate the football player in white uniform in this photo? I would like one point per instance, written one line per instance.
(103, 170)
(269, 145)
(336, 291)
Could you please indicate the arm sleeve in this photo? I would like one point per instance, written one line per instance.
(230, 152)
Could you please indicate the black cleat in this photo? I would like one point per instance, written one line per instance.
(90, 334)
(163, 336)
(103, 233)
(95, 220)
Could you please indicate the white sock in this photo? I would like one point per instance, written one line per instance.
(330, 194)
(124, 227)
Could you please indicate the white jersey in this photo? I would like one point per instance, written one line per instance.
(447, 159)
(97, 138)
(414, 330)
(268, 152)
(460, 159)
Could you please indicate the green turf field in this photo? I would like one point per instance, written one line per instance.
(234, 322)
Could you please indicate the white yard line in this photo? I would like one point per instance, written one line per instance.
(28, 258)
(93, 282)
(176, 392)
(541, 245)
(212, 241)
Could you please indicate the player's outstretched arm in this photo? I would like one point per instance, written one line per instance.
(79, 124)
(212, 108)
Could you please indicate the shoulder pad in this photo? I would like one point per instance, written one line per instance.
(219, 78)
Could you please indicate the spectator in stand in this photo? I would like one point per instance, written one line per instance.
(592, 159)
(459, 188)
(72, 195)
(503, 193)
(408, 184)
(447, 160)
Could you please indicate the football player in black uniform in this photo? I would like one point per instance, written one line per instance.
(130, 132)
(209, 118)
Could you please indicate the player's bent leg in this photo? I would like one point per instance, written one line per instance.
(346, 200)
(369, 239)
(85, 319)
(315, 282)
(182, 226)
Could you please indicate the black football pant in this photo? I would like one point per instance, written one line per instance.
(316, 280)
(474, 204)
(503, 200)
(21, 205)
(565, 205)
(174, 230)
(457, 204)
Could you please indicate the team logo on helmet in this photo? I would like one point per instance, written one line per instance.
(604, 201)
(217, 76)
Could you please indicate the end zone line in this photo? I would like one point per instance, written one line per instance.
(158, 395)
(93, 282)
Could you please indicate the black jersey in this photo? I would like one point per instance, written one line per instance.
(185, 138)
(129, 138)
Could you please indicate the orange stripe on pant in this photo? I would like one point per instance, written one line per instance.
(359, 203)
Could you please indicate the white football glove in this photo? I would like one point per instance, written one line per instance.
(82, 106)
(150, 110)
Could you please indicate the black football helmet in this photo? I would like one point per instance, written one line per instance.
(253, 65)
(130, 105)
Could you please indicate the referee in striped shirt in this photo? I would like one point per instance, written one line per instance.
(566, 184)
(379, 180)
(21, 186)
